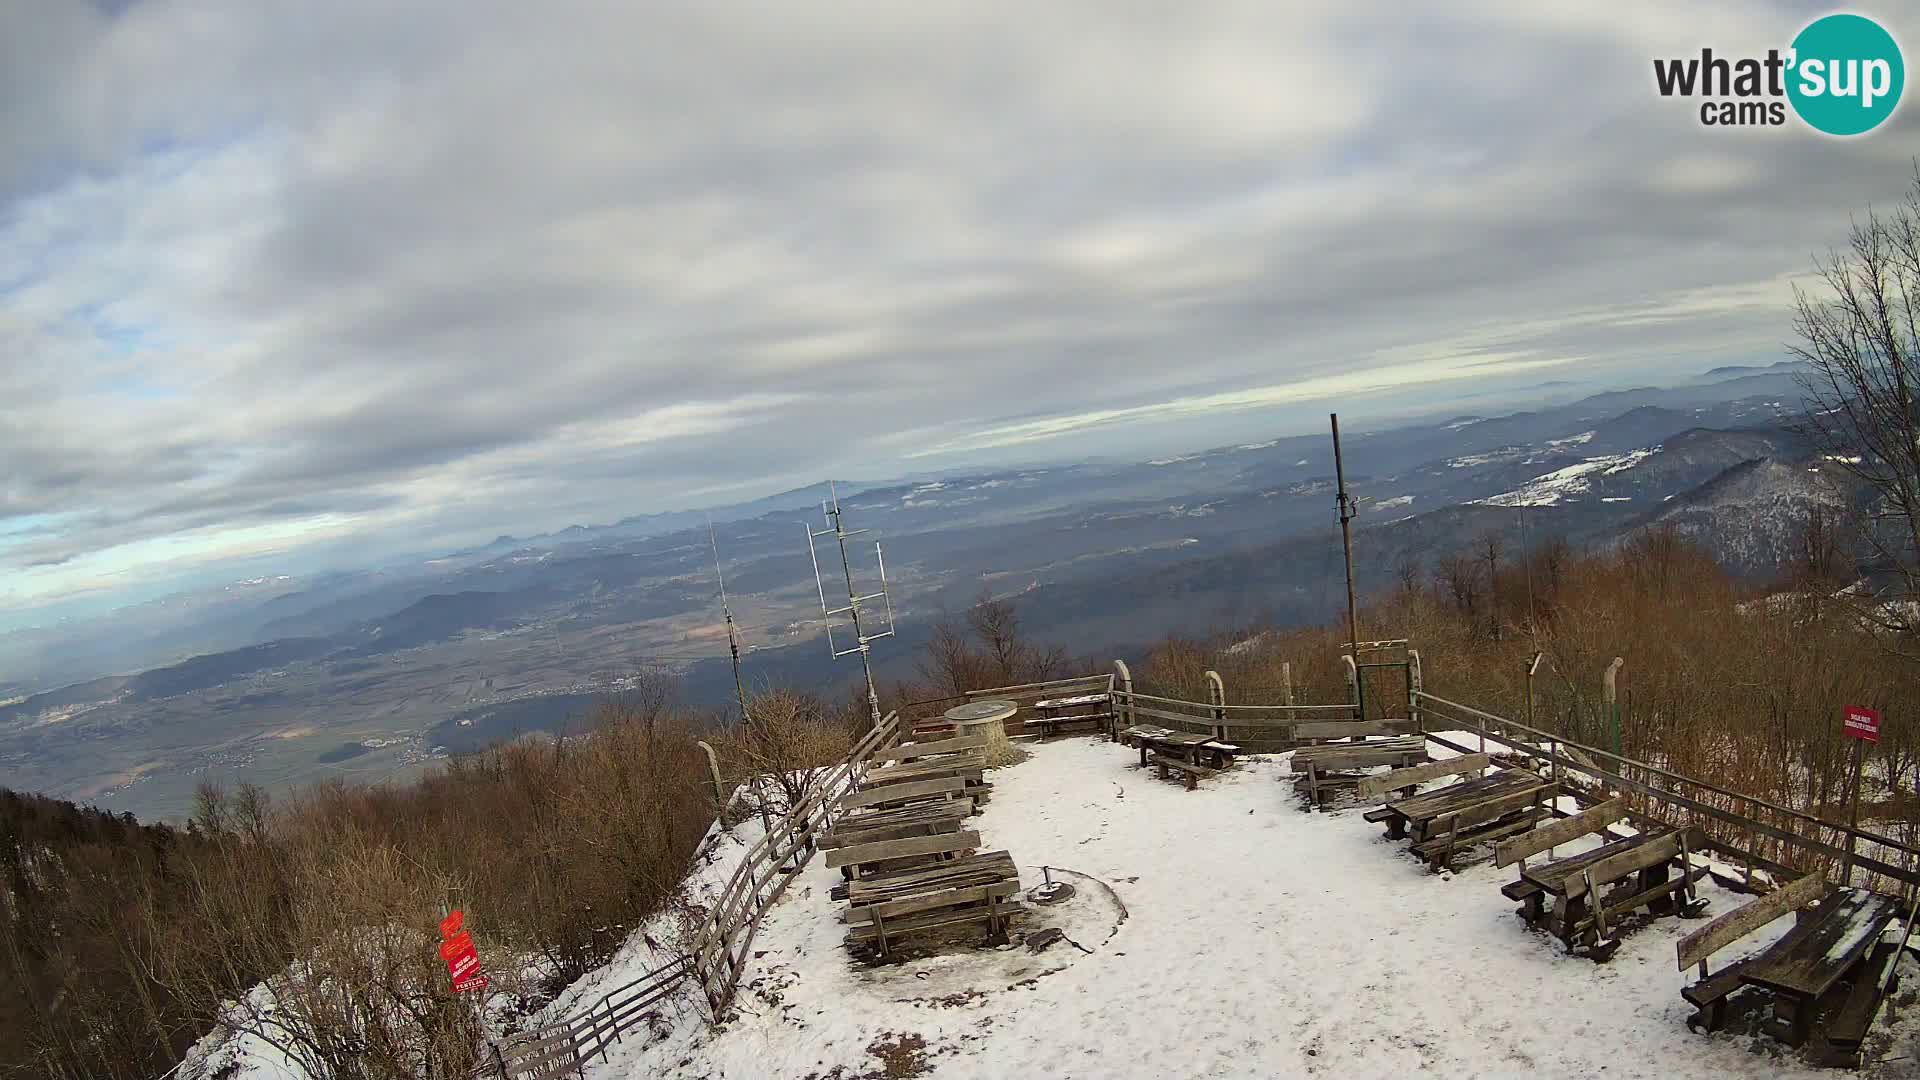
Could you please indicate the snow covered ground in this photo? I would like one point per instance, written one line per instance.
(1257, 940)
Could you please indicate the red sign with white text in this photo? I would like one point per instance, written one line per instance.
(1861, 723)
(463, 962)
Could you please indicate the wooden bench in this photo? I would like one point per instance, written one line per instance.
(1409, 778)
(1322, 770)
(1709, 995)
(897, 823)
(885, 855)
(975, 888)
(1586, 917)
(914, 751)
(1478, 825)
(1817, 967)
(1546, 838)
(1847, 1029)
(939, 789)
(1417, 814)
(1311, 731)
(1064, 712)
(1190, 773)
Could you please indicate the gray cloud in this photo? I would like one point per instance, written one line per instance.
(389, 272)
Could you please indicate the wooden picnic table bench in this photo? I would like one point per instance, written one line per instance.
(1583, 916)
(974, 888)
(936, 789)
(1416, 813)
(1804, 965)
(1321, 770)
(1832, 961)
(895, 823)
(1192, 754)
(1062, 712)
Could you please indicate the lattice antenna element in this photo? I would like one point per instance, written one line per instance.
(836, 528)
(733, 637)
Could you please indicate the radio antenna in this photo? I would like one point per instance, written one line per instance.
(861, 639)
(733, 638)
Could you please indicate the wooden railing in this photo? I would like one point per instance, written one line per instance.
(763, 873)
(1735, 822)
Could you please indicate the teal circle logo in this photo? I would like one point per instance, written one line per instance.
(1846, 74)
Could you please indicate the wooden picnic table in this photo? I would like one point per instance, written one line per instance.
(1325, 768)
(1416, 813)
(1056, 713)
(1811, 959)
(1566, 881)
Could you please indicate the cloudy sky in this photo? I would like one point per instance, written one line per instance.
(299, 279)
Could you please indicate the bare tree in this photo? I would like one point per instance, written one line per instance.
(1861, 339)
(1491, 547)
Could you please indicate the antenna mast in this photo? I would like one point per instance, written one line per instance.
(733, 639)
(1347, 514)
(861, 638)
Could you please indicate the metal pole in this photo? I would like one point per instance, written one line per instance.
(1853, 809)
(1346, 546)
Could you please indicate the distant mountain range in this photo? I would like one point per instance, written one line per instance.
(382, 669)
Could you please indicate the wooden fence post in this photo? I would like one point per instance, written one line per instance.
(1352, 673)
(1286, 682)
(1610, 684)
(1415, 682)
(713, 767)
(1124, 680)
(1217, 697)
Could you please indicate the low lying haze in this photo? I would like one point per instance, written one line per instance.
(350, 279)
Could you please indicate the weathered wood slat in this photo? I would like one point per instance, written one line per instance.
(1351, 729)
(1658, 849)
(1443, 846)
(862, 914)
(893, 794)
(1372, 787)
(900, 849)
(1555, 833)
(1641, 899)
(939, 817)
(1433, 803)
(913, 750)
(1815, 954)
(1748, 917)
(1359, 757)
(969, 764)
(979, 869)
(932, 921)
(1482, 811)
(1849, 1025)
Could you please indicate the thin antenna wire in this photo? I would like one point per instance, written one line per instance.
(861, 638)
(733, 639)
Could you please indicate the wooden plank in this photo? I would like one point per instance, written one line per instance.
(913, 750)
(1816, 954)
(948, 786)
(1481, 811)
(945, 818)
(1359, 757)
(917, 923)
(969, 765)
(984, 868)
(1559, 832)
(1849, 1025)
(1662, 848)
(1443, 845)
(1183, 766)
(900, 849)
(1421, 807)
(1749, 917)
(1314, 756)
(1372, 787)
(859, 915)
(1351, 729)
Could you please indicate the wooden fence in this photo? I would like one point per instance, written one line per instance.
(1760, 833)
